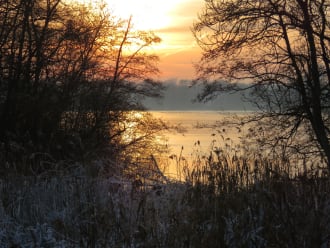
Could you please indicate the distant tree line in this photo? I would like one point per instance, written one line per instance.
(69, 74)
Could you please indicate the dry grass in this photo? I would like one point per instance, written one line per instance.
(228, 200)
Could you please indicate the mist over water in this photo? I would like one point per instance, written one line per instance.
(180, 96)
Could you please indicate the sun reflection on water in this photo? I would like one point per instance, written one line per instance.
(192, 135)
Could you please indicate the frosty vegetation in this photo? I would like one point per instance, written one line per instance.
(78, 162)
(232, 198)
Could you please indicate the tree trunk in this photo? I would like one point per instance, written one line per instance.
(317, 121)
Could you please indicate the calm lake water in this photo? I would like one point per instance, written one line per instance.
(198, 131)
(202, 127)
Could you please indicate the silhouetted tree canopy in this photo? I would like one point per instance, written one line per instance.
(69, 74)
(280, 49)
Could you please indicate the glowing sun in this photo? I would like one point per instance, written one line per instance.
(146, 14)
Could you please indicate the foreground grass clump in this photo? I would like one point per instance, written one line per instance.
(227, 201)
(255, 202)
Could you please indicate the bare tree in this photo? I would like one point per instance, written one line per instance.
(280, 49)
(68, 71)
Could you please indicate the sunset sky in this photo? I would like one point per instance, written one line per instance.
(172, 21)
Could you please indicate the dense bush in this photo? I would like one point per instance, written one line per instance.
(69, 77)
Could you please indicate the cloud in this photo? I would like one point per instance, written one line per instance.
(179, 63)
(178, 49)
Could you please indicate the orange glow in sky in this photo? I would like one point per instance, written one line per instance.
(171, 20)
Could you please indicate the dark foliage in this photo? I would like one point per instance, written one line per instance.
(67, 81)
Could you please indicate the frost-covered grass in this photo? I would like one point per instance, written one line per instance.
(79, 210)
(226, 201)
